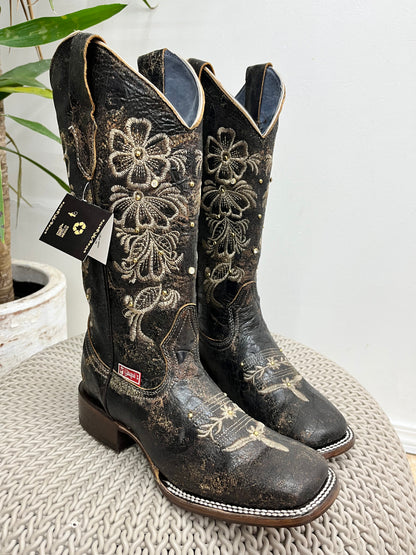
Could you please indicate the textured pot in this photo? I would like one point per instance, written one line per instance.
(35, 321)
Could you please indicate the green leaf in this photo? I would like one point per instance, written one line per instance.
(2, 222)
(46, 93)
(51, 174)
(35, 126)
(43, 30)
(25, 74)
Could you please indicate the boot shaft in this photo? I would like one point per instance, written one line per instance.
(239, 135)
(132, 150)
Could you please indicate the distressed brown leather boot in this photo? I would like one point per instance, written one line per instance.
(236, 346)
(136, 147)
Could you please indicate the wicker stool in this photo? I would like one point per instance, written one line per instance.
(63, 493)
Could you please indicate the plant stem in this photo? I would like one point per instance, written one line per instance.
(6, 279)
(32, 16)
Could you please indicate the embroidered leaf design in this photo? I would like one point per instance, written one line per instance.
(218, 274)
(253, 162)
(178, 160)
(269, 160)
(148, 298)
(150, 256)
(144, 302)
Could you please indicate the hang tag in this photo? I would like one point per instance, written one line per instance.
(79, 229)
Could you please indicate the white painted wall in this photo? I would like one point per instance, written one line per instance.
(338, 264)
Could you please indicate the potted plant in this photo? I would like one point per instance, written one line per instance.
(32, 295)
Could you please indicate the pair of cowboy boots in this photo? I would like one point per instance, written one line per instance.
(239, 436)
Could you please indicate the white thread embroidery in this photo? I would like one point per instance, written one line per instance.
(215, 424)
(288, 383)
(146, 301)
(151, 255)
(228, 201)
(275, 362)
(224, 203)
(256, 433)
(225, 158)
(228, 411)
(145, 207)
(139, 210)
(137, 156)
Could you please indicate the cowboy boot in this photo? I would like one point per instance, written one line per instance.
(236, 346)
(136, 148)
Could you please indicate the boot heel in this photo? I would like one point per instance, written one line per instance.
(100, 426)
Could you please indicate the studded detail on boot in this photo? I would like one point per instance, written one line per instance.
(136, 148)
(236, 346)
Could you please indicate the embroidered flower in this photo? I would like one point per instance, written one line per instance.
(228, 201)
(138, 156)
(225, 158)
(150, 255)
(135, 209)
(215, 425)
(228, 411)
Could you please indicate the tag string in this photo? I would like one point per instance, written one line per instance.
(83, 192)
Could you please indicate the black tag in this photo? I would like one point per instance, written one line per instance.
(76, 226)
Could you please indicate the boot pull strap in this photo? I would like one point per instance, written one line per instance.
(255, 76)
(152, 66)
(83, 126)
(198, 66)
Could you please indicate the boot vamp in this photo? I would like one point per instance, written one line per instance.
(257, 375)
(203, 443)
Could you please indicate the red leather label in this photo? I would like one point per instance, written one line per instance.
(132, 375)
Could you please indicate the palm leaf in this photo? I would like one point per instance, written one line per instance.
(43, 30)
(46, 93)
(35, 126)
(51, 174)
(25, 74)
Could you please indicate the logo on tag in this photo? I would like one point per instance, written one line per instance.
(131, 375)
(89, 235)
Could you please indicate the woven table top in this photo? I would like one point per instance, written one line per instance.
(61, 492)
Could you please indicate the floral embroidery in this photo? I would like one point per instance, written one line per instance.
(224, 201)
(255, 433)
(226, 159)
(227, 237)
(150, 255)
(145, 207)
(145, 301)
(231, 420)
(215, 424)
(273, 362)
(137, 156)
(139, 210)
(228, 201)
